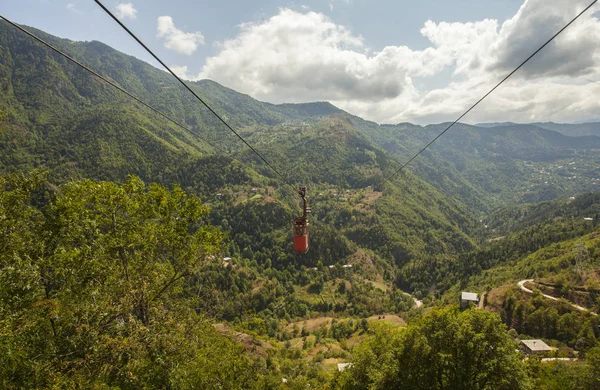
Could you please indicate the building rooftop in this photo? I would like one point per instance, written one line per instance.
(469, 296)
(536, 345)
(344, 366)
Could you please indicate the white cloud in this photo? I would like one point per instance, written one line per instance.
(70, 6)
(126, 10)
(177, 40)
(304, 56)
(574, 53)
(298, 57)
(181, 71)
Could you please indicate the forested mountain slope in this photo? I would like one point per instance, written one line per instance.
(481, 167)
(580, 129)
(126, 238)
(491, 167)
(65, 120)
(573, 130)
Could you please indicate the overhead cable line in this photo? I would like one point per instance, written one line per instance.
(106, 80)
(389, 178)
(194, 93)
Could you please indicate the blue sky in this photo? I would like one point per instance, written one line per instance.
(388, 61)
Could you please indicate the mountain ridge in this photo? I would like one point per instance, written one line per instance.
(136, 256)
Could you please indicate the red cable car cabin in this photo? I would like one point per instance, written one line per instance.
(301, 235)
(301, 226)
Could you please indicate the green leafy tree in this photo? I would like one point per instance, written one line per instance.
(92, 290)
(593, 359)
(3, 117)
(444, 350)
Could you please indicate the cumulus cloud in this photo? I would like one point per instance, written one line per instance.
(305, 56)
(177, 40)
(575, 53)
(126, 10)
(182, 72)
(298, 56)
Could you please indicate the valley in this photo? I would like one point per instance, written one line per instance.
(135, 255)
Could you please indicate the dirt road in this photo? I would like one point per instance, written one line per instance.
(521, 285)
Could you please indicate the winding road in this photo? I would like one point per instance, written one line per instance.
(521, 285)
(418, 303)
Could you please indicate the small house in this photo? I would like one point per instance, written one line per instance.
(227, 259)
(532, 347)
(467, 299)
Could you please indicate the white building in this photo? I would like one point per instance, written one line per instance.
(534, 346)
(467, 299)
(344, 366)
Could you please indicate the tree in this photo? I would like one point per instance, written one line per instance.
(3, 117)
(586, 338)
(364, 324)
(92, 290)
(131, 244)
(22, 301)
(582, 257)
(447, 349)
(593, 359)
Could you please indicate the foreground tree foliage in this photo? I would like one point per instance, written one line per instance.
(446, 349)
(91, 290)
(564, 375)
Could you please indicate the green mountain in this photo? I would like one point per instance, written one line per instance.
(488, 168)
(482, 168)
(572, 130)
(63, 119)
(107, 280)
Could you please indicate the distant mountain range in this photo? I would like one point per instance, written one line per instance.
(69, 121)
(465, 214)
(572, 130)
